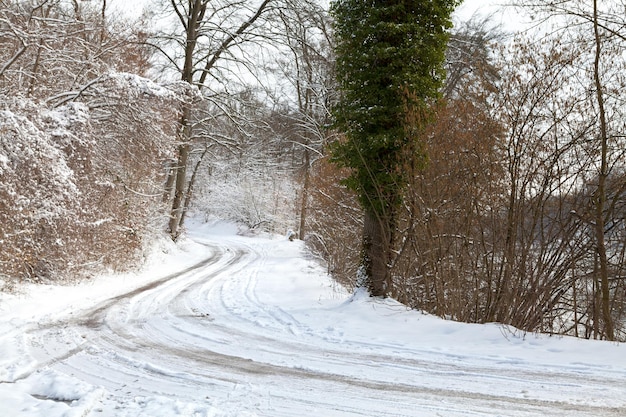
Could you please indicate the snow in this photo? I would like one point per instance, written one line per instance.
(229, 325)
(25, 144)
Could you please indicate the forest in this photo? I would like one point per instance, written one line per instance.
(115, 130)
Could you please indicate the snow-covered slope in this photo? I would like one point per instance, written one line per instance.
(239, 326)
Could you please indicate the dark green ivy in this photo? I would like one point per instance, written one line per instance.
(390, 57)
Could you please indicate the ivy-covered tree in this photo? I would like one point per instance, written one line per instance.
(390, 57)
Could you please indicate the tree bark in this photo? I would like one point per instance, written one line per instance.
(180, 172)
(376, 254)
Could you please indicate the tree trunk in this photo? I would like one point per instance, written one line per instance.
(179, 191)
(197, 9)
(376, 254)
(190, 186)
(169, 182)
(180, 172)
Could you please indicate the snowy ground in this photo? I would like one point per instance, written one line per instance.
(236, 326)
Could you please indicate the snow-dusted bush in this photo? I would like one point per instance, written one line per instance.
(49, 47)
(81, 184)
(37, 190)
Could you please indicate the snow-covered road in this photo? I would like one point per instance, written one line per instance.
(252, 327)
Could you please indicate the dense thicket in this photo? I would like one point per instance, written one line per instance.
(81, 144)
(504, 221)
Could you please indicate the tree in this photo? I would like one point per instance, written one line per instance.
(49, 47)
(307, 67)
(390, 70)
(601, 192)
(208, 34)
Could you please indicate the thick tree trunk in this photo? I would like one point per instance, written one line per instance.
(180, 172)
(376, 254)
(178, 207)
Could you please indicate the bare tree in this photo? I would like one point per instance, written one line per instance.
(307, 65)
(207, 39)
(51, 46)
(602, 29)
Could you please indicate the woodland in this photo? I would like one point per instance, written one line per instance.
(114, 131)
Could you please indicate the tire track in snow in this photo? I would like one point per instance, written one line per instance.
(206, 332)
(46, 352)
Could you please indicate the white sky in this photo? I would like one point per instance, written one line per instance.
(465, 11)
(504, 16)
(131, 7)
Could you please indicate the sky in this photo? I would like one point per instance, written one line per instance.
(131, 8)
(507, 18)
(467, 9)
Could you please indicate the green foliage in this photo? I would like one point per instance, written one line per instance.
(390, 58)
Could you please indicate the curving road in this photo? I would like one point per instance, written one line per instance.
(216, 340)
